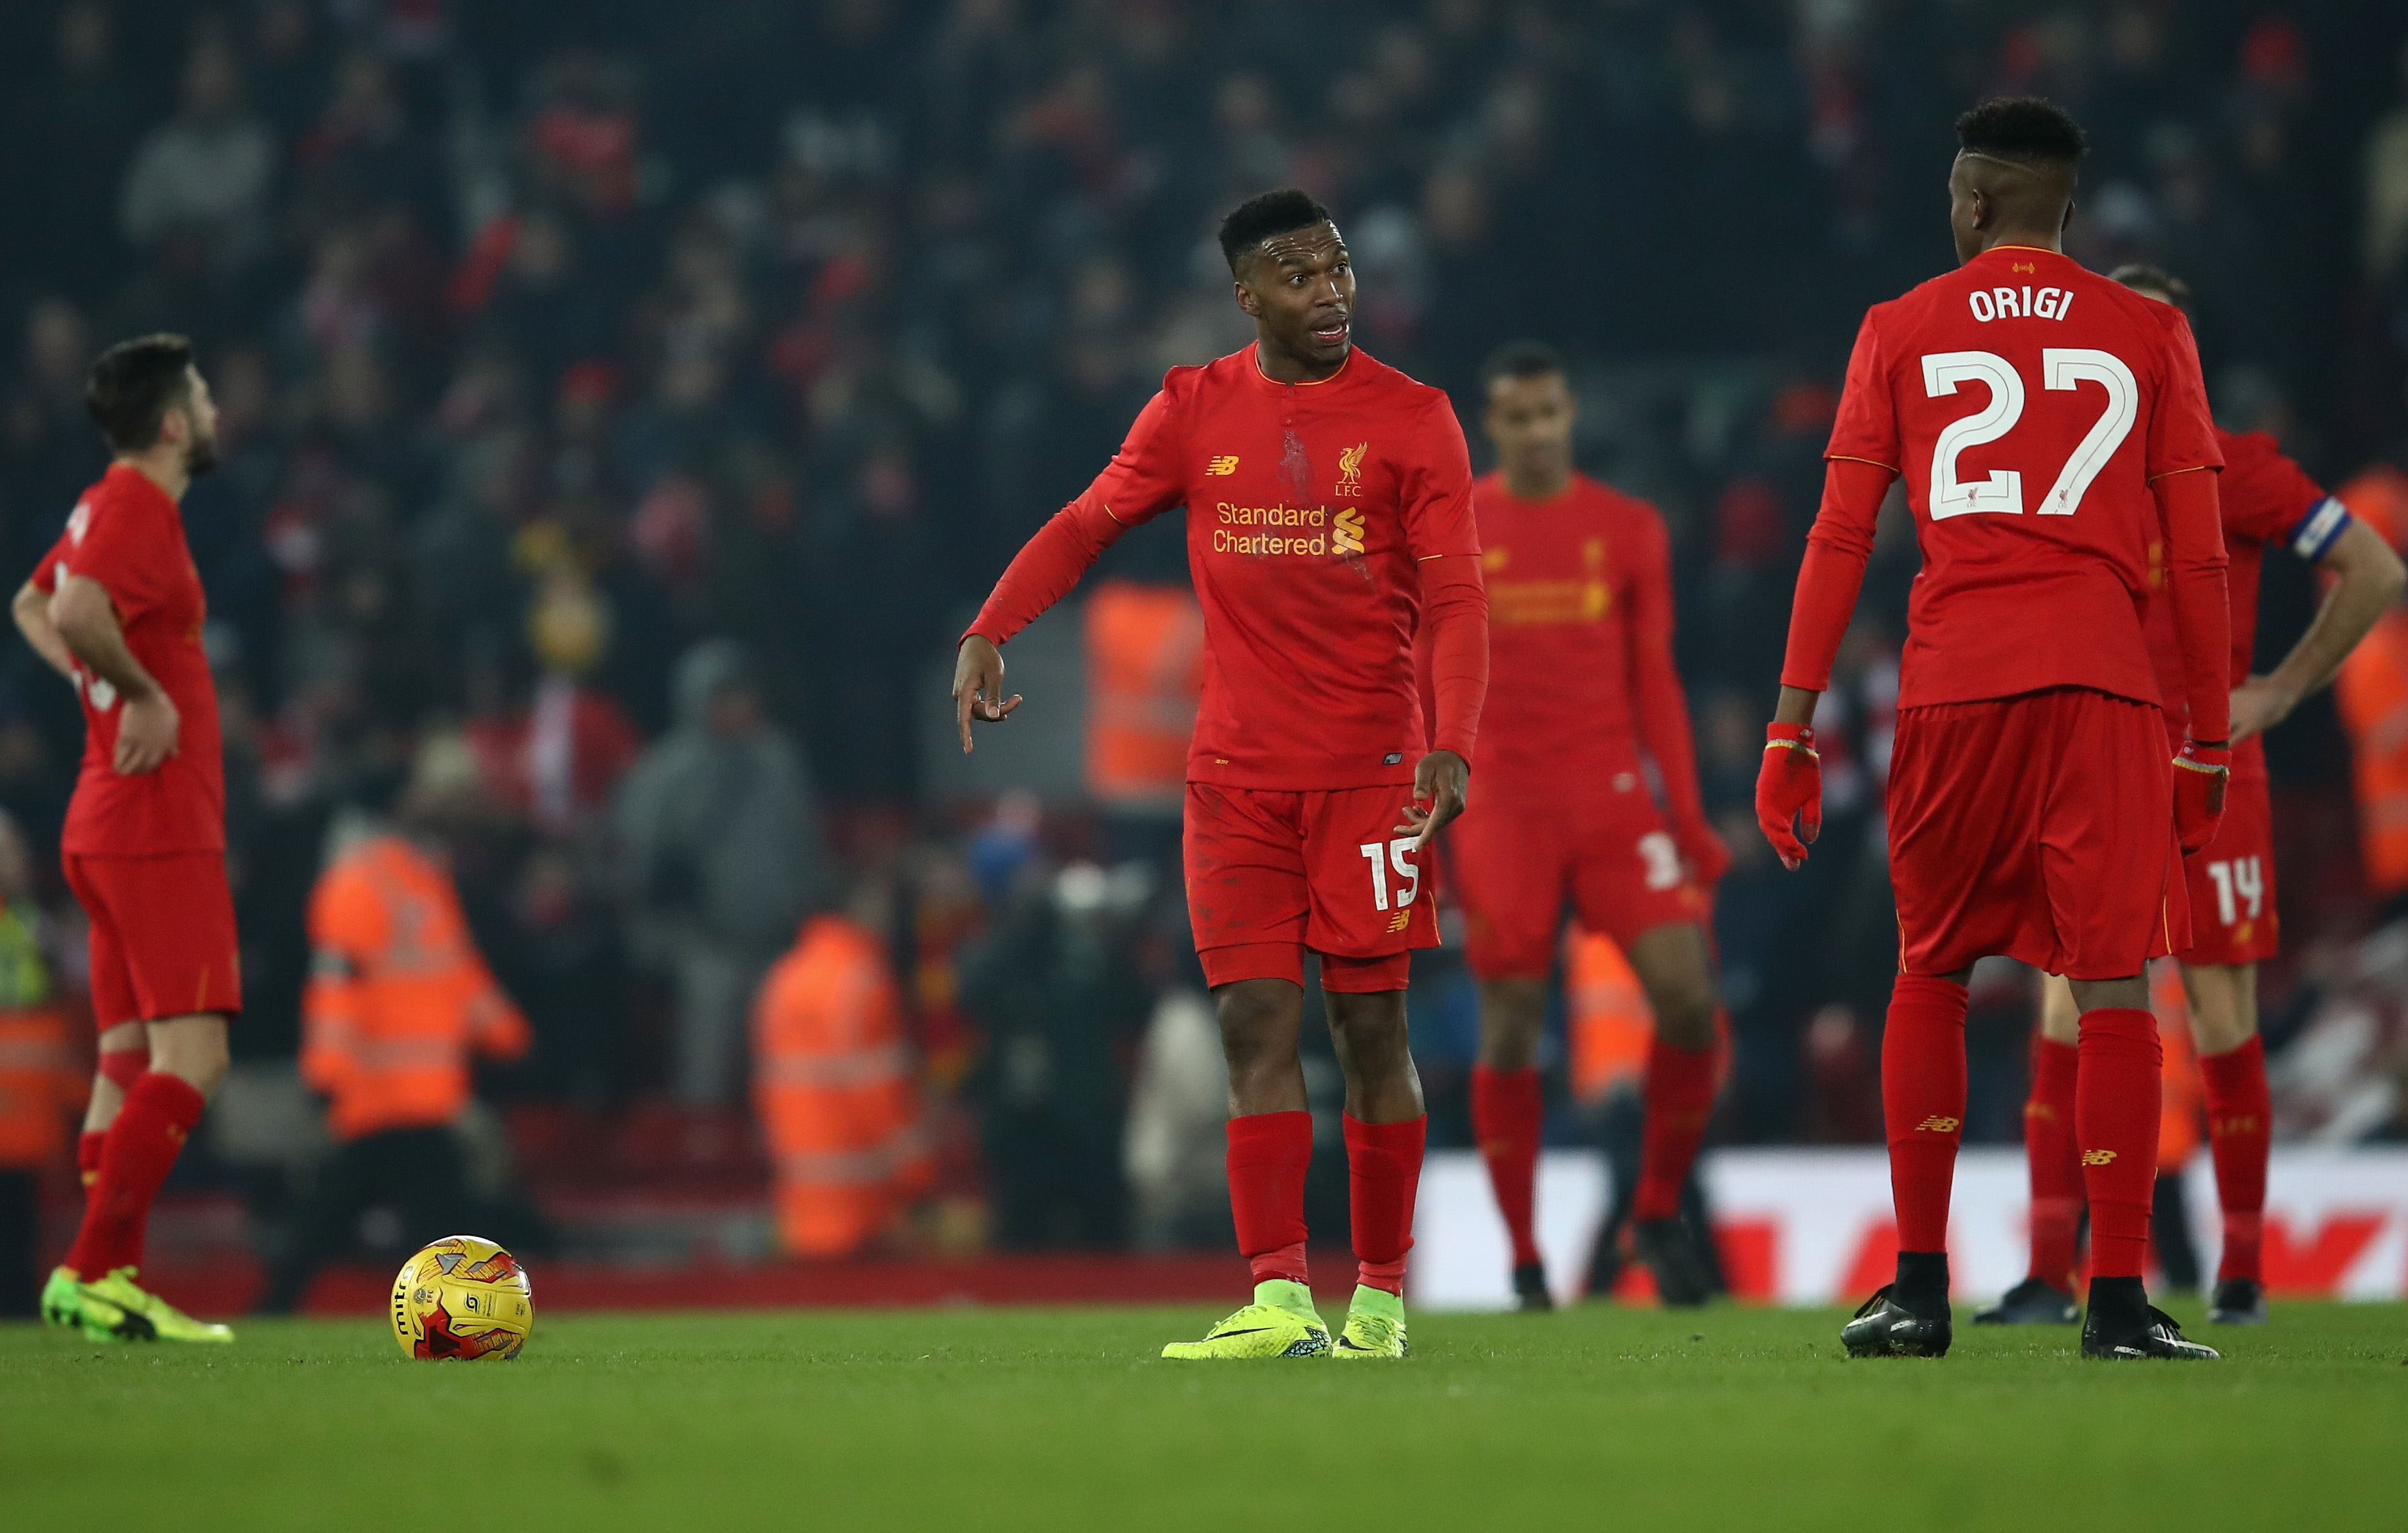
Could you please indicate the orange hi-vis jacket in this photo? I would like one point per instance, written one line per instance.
(399, 995)
(1145, 673)
(1608, 1018)
(832, 1077)
(40, 1085)
(2371, 693)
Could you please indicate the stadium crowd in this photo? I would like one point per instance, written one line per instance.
(613, 435)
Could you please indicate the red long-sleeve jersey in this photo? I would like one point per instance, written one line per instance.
(2046, 421)
(1328, 523)
(1580, 645)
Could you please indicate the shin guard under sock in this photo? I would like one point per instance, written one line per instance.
(1923, 1104)
(141, 1147)
(2115, 1111)
(1383, 1173)
(1679, 1098)
(1506, 1115)
(1268, 1156)
(2239, 1126)
(2054, 1162)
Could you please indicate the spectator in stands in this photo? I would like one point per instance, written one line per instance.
(202, 177)
(719, 839)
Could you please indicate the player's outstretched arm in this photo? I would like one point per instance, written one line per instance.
(2195, 565)
(2370, 577)
(148, 726)
(32, 610)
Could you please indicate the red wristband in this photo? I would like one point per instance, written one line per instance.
(1797, 737)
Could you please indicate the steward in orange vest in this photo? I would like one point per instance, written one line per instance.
(2371, 693)
(399, 996)
(832, 1078)
(41, 1088)
(399, 1001)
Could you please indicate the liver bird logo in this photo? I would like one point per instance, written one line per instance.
(1350, 465)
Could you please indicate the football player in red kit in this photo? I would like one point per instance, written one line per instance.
(2265, 499)
(1579, 584)
(116, 608)
(1330, 521)
(2054, 436)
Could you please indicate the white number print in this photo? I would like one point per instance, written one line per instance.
(2063, 369)
(1662, 860)
(1942, 372)
(1383, 856)
(2238, 883)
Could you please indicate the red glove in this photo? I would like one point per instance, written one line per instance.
(2200, 773)
(1703, 850)
(1789, 786)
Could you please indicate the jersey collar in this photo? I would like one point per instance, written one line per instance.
(1254, 365)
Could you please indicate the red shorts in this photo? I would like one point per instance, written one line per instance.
(162, 937)
(1272, 873)
(2231, 880)
(1514, 858)
(2039, 827)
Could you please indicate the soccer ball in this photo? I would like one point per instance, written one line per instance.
(465, 1298)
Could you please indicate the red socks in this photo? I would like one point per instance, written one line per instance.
(1923, 1104)
(1506, 1115)
(1383, 1167)
(2239, 1124)
(2055, 1163)
(1680, 1096)
(141, 1146)
(1268, 1153)
(2116, 1107)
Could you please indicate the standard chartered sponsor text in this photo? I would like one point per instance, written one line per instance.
(1312, 545)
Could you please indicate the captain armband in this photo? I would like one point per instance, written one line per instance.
(2314, 535)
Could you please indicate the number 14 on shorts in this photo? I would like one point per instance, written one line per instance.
(2238, 883)
(1395, 854)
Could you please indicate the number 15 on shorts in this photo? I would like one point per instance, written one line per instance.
(1396, 855)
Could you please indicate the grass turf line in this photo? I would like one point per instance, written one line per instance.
(1064, 1418)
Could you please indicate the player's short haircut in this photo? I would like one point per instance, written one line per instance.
(1521, 358)
(2025, 131)
(133, 387)
(1258, 218)
(2155, 281)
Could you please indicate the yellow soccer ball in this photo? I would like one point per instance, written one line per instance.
(465, 1298)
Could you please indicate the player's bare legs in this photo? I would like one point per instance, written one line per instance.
(1260, 1020)
(1368, 1031)
(1512, 1018)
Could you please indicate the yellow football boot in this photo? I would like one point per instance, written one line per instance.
(1375, 1325)
(1281, 1323)
(68, 1301)
(166, 1322)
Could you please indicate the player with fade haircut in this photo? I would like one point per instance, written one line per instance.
(116, 608)
(2265, 500)
(2053, 433)
(1330, 521)
(1580, 585)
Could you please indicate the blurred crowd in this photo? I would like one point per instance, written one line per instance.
(630, 400)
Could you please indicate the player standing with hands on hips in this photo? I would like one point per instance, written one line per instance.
(2051, 430)
(1329, 521)
(116, 608)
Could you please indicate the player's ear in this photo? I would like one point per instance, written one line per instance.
(1246, 300)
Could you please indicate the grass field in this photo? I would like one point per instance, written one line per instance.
(1064, 1419)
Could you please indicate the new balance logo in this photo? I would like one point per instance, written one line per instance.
(1225, 463)
(1938, 1123)
(2098, 1158)
(1396, 923)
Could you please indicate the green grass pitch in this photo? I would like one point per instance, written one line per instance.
(1734, 1418)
